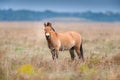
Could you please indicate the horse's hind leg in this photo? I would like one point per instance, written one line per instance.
(72, 53)
(81, 51)
(78, 51)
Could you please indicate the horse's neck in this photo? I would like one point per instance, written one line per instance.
(53, 38)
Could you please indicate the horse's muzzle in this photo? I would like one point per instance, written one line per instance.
(47, 37)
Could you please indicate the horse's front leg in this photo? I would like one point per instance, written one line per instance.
(56, 53)
(53, 54)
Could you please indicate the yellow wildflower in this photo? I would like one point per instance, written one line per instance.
(26, 69)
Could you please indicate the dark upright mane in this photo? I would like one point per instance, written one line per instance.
(49, 24)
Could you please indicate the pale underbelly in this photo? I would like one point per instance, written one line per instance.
(63, 48)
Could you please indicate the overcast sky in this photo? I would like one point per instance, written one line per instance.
(63, 5)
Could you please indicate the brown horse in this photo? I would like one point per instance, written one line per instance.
(63, 41)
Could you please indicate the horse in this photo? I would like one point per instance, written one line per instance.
(63, 41)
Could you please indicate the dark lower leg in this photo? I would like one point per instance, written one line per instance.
(78, 53)
(56, 53)
(72, 54)
(53, 54)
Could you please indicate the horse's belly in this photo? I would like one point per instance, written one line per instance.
(62, 48)
(67, 45)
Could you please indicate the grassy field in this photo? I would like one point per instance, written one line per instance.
(24, 54)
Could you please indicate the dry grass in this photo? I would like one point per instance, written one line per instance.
(24, 54)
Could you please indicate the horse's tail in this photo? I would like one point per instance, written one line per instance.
(81, 51)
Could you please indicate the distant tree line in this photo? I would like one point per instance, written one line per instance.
(27, 15)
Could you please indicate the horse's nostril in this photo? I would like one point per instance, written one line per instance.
(47, 37)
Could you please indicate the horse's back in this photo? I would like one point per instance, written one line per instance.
(76, 36)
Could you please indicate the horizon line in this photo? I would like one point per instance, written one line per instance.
(61, 11)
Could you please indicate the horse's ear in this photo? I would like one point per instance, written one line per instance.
(49, 24)
(45, 25)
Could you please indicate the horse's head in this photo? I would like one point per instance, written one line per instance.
(48, 30)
